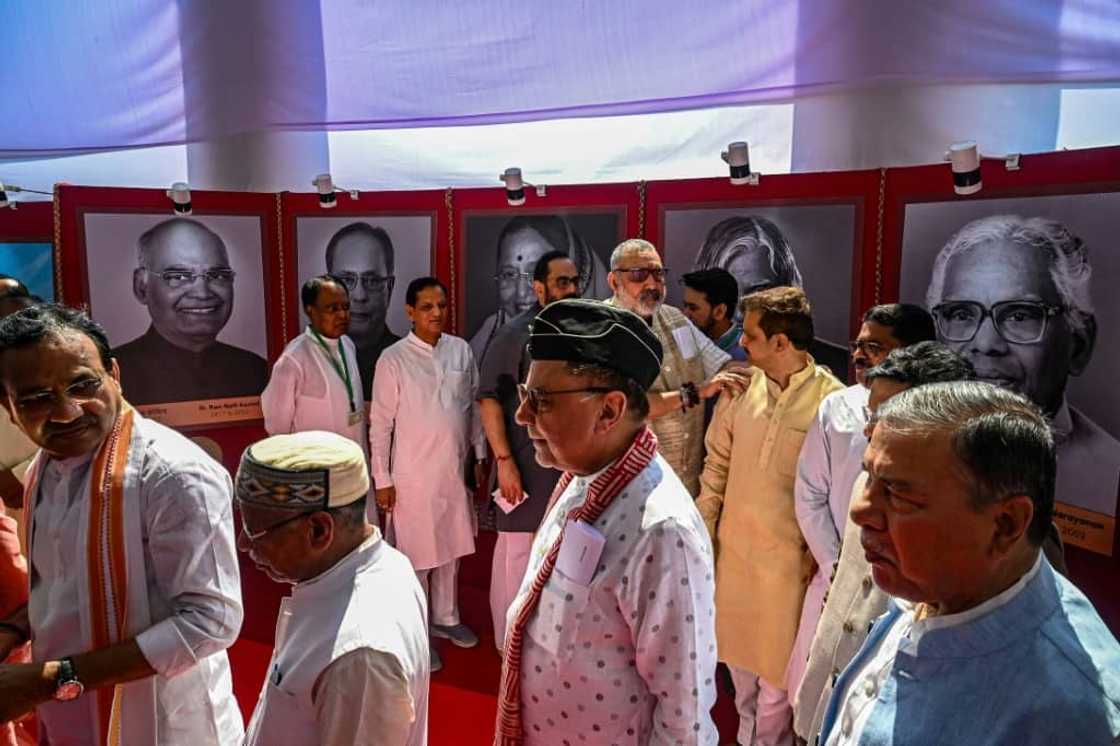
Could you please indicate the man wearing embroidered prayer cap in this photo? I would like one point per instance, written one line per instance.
(134, 585)
(350, 662)
(611, 638)
(316, 385)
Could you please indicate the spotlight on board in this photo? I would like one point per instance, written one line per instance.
(964, 160)
(515, 187)
(4, 198)
(328, 191)
(180, 195)
(738, 160)
(325, 187)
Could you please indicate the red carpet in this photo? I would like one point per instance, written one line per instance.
(462, 702)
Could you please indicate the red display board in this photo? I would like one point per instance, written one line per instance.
(26, 241)
(1044, 233)
(211, 286)
(496, 246)
(813, 230)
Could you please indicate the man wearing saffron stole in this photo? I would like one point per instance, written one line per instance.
(134, 587)
(611, 637)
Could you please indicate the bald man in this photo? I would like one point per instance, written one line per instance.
(185, 280)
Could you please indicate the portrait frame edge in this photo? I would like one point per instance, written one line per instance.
(76, 202)
(1055, 174)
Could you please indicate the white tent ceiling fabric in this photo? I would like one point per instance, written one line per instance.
(621, 86)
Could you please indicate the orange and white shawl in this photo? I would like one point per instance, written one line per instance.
(106, 554)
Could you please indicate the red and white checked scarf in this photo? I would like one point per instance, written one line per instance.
(600, 495)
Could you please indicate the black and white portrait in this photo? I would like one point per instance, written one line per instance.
(183, 302)
(807, 246)
(1024, 288)
(375, 257)
(502, 250)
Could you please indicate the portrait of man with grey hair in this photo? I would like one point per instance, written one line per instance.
(185, 281)
(1012, 294)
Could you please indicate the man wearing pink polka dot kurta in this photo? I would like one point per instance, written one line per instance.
(611, 638)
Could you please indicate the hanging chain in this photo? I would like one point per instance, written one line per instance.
(879, 237)
(454, 304)
(642, 209)
(57, 244)
(280, 266)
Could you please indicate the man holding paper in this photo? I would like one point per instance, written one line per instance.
(524, 486)
(611, 638)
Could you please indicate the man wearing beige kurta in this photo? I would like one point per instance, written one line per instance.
(763, 564)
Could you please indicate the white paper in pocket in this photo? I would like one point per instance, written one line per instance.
(686, 343)
(580, 551)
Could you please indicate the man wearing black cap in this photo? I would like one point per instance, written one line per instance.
(611, 637)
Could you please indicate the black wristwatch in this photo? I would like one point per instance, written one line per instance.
(66, 686)
(690, 396)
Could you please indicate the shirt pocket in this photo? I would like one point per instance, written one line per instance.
(555, 627)
(789, 448)
(456, 385)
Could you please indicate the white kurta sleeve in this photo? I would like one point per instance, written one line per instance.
(668, 599)
(363, 698)
(384, 402)
(278, 400)
(811, 492)
(189, 522)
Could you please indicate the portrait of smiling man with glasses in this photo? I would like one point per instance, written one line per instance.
(1011, 294)
(185, 280)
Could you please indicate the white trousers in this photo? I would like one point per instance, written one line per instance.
(440, 585)
(765, 718)
(806, 630)
(511, 557)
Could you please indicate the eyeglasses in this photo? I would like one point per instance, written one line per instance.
(1016, 321)
(371, 281)
(178, 278)
(508, 274)
(565, 282)
(868, 348)
(537, 397)
(641, 274)
(43, 402)
(255, 536)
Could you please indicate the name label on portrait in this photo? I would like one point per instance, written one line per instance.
(1084, 528)
(204, 411)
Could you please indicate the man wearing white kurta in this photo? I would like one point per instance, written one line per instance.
(316, 385)
(135, 590)
(611, 638)
(831, 458)
(423, 419)
(350, 663)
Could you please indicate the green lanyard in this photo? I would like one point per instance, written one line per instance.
(342, 371)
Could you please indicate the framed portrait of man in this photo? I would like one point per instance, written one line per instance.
(27, 247)
(375, 244)
(501, 246)
(1020, 280)
(375, 256)
(786, 231)
(183, 300)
